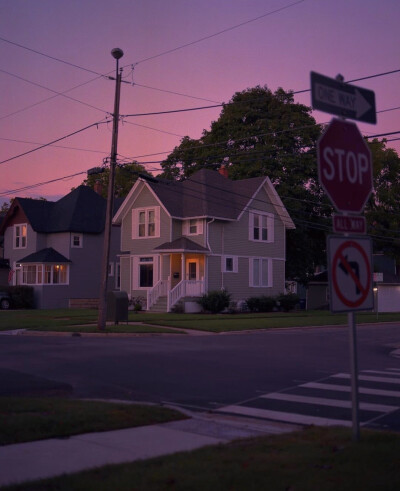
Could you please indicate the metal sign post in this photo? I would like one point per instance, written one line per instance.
(345, 173)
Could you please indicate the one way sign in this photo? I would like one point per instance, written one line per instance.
(335, 97)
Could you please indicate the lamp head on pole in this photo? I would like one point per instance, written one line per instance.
(117, 53)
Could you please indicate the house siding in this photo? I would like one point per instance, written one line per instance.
(238, 284)
(144, 245)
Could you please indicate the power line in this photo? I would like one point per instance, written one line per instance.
(54, 91)
(54, 141)
(49, 56)
(56, 146)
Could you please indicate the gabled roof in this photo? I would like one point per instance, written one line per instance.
(82, 211)
(182, 244)
(48, 255)
(208, 194)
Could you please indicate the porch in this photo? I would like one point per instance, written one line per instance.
(181, 274)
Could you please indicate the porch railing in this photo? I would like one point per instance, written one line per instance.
(159, 289)
(185, 288)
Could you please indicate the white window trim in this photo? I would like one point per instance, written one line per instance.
(80, 241)
(251, 267)
(19, 226)
(135, 262)
(235, 263)
(135, 222)
(186, 227)
(270, 226)
(43, 270)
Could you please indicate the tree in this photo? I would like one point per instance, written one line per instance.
(261, 133)
(383, 207)
(4, 207)
(125, 178)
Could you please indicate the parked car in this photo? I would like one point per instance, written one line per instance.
(5, 300)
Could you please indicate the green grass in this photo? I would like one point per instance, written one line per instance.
(241, 322)
(67, 320)
(312, 459)
(28, 419)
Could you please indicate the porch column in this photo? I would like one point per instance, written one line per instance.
(183, 266)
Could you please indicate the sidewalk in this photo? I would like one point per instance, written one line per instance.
(49, 458)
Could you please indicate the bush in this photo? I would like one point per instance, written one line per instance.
(261, 304)
(288, 302)
(22, 297)
(215, 301)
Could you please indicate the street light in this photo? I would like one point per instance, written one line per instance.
(116, 53)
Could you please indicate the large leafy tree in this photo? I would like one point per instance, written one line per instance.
(125, 177)
(383, 208)
(265, 133)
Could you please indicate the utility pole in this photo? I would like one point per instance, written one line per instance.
(117, 53)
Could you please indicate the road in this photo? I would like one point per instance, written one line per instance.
(277, 374)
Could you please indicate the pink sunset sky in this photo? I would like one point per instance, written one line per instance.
(288, 40)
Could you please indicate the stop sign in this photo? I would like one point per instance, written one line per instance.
(345, 166)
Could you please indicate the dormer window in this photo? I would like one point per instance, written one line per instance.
(76, 240)
(194, 226)
(20, 235)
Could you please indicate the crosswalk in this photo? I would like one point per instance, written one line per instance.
(327, 402)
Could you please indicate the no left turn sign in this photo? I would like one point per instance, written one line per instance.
(350, 273)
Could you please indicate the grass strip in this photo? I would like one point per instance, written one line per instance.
(311, 459)
(28, 419)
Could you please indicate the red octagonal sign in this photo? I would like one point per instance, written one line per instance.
(345, 166)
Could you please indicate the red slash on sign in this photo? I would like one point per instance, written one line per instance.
(350, 272)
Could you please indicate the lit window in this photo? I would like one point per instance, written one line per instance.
(20, 234)
(56, 274)
(32, 274)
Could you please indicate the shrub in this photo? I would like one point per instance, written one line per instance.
(261, 304)
(215, 301)
(288, 302)
(137, 303)
(22, 297)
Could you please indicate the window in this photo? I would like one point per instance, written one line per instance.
(20, 234)
(229, 264)
(261, 226)
(146, 272)
(32, 274)
(193, 226)
(146, 222)
(55, 274)
(76, 240)
(260, 272)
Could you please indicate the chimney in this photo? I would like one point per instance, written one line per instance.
(98, 187)
(223, 170)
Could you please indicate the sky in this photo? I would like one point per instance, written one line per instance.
(178, 54)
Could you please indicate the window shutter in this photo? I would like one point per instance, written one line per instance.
(134, 224)
(135, 272)
(185, 227)
(157, 218)
(271, 228)
(200, 226)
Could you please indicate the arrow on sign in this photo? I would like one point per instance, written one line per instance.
(352, 268)
(342, 100)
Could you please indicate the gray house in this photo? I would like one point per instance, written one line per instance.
(56, 247)
(181, 239)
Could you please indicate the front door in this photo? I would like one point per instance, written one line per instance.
(192, 269)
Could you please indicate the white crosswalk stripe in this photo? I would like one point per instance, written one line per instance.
(325, 402)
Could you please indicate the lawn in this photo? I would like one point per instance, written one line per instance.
(308, 460)
(28, 419)
(70, 320)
